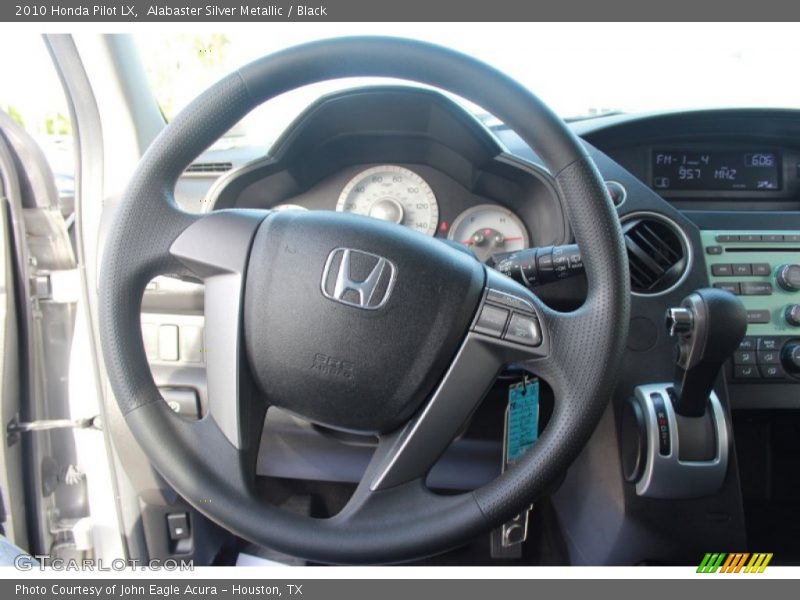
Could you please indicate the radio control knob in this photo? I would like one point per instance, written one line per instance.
(788, 277)
(792, 315)
(791, 357)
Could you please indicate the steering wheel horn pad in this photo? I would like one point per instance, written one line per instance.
(390, 350)
(336, 356)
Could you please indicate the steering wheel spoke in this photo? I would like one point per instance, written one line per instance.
(403, 458)
(409, 453)
(216, 248)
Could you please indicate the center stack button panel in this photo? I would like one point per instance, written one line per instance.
(763, 269)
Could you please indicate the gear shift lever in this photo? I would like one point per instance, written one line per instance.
(709, 324)
(674, 436)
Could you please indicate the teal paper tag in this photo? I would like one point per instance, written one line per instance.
(523, 419)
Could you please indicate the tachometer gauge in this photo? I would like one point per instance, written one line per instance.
(394, 194)
(489, 229)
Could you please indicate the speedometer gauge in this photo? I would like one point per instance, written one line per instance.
(489, 229)
(392, 193)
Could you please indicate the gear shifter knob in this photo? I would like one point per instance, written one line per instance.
(709, 324)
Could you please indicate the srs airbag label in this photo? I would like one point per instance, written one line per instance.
(332, 366)
(523, 419)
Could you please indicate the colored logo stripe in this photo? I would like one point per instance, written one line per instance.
(734, 562)
(758, 563)
(711, 563)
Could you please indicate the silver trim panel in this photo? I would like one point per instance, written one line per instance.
(216, 248)
(668, 476)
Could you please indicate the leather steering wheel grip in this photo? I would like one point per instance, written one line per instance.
(587, 344)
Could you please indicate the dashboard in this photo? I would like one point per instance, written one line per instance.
(735, 176)
(681, 183)
(716, 193)
(704, 198)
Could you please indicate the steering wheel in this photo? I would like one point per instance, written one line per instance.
(357, 324)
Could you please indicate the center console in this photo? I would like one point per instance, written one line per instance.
(762, 268)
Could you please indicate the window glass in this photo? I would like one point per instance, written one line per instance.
(579, 69)
(32, 95)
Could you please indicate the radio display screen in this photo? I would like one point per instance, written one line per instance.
(716, 170)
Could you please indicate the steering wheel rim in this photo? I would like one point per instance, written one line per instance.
(392, 515)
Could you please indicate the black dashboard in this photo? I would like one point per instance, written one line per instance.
(680, 181)
(705, 198)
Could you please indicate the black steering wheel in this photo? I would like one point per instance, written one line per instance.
(357, 324)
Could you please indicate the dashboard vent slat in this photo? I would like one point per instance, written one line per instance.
(657, 254)
(209, 167)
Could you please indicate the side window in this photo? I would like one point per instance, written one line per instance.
(31, 94)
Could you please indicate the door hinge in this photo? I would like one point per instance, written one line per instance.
(16, 427)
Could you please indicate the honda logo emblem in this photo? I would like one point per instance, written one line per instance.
(357, 278)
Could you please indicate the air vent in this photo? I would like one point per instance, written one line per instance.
(658, 255)
(209, 167)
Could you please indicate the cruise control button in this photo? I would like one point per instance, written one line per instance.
(722, 270)
(758, 317)
(509, 300)
(768, 357)
(742, 269)
(771, 371)
(761, 269)
(492, 321)
(745, 372)
(756, 288)
(523, 329)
